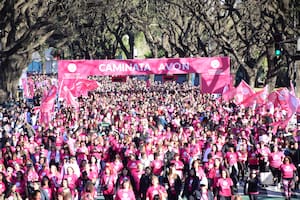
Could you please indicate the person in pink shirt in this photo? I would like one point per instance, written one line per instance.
(55, 176)
(125, 192)
(64, 190)
(224, 185)
(288, 171)
(275, 161)
(263, 153)
(242, 159)
(11, 193)
(156, 190)
(178, 165)
(117, 164)
(231, 161)
(132, 164)
(3, 184)
(253, 160)
(89, 192)
(173, 183)
(72, 179)
(46, 188)
(125, 174)
(20, 183)
(10, 174)
(107, 182)
(157, 165)
(199, 168)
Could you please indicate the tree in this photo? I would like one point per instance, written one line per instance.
(25, 25)
(244, 30)
(98, 29)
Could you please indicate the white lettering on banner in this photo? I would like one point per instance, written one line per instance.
(215, 71)
(123, 67)
(72, 76)
(174, 66)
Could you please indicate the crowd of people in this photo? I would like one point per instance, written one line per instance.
(137, 140)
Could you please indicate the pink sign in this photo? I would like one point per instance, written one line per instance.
(214, 71)
(214, 83)
(80, 69)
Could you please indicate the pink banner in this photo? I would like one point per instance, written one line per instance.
(214, 83)
(81, 69)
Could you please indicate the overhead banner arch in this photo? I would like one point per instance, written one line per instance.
(205, 66)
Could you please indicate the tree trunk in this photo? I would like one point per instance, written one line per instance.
(9, 78)
(271, 82)
(10, 73)
(131, 44)
(297, 88)
(272, 68)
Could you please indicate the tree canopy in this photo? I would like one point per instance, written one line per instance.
(245, 30)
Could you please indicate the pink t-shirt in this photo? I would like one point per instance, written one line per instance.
(275, 159)
(48, 191)
(242, 156)
(72, 179)
(287, 170)
(125, 194)
(157, 167)
(231, 158)
(109, 182)
(20, 186)
(154, 190)
(253, 158)
(2, 187)
(93, 175)
(32, 176)
(224, 186)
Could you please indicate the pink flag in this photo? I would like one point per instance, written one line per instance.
(44, 118)
(80, 87)
(243, 91)
(283, 97)
(287, 102)
(292, 104)
(66, 94)
(49, 100)
(47, 105)
(272, 98)
(228, 92)
(281, 123)
(259, 97)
